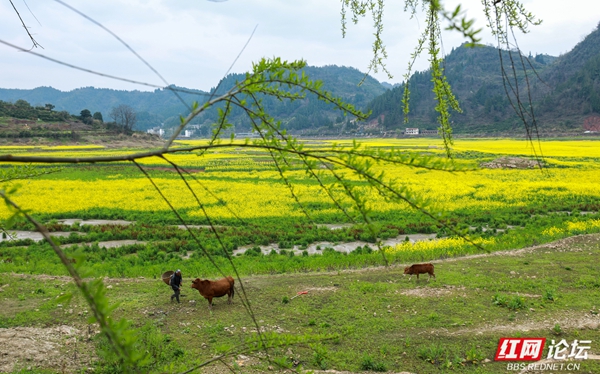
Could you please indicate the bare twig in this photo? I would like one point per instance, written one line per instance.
(183, 124)
(35, 43)
(98, 315)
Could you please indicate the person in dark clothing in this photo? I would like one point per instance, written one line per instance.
(175, 284)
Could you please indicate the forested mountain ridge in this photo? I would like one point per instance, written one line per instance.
(162, 106)
(307, 113)
(565, 90)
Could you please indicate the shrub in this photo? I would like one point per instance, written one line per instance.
(515, 303)
(474, 355)
(369, 364)
(557, 330)
(549, 295)
(433, 353)
(319, 356)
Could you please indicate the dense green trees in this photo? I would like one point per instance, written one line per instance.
(86, 117)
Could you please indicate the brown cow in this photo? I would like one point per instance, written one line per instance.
(419, 269)
(210, 289)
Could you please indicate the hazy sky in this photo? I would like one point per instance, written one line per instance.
(193, 42)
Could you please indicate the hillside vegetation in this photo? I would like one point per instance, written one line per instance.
(22, 123)
(564, 91)
(163, 107)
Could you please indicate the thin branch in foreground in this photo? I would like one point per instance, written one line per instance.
(100, 317)
(246, 304)
(221, 201)
(183, 124)
(35, 43)
(245, 298)
(208, 255)
(86, 70)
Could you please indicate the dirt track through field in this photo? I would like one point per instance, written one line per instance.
(561, 245)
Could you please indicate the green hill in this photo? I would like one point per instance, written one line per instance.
(565, 90)
(162, 107)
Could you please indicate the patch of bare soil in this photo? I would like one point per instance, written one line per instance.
(66, 278)
(320, 289)
(42, 277)
(94, 222)
(586, 321)
(80, 134)
(124, 141)
(61, 348)
(512, 163)
(431, 292)
(109, 244)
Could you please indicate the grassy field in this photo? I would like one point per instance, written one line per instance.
(375, 318)
(358, 315)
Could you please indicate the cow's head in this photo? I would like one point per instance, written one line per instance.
(196, 283)
(406, 270)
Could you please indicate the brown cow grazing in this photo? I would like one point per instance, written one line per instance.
(419, 269)
(210, 289)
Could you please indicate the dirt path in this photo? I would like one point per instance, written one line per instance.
(59, 348)
(581, 321)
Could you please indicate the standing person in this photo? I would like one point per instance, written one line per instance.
(175, 284)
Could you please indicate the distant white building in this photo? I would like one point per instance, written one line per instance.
(156, 131)
(244, 135)
(411, 131)
(187, 133)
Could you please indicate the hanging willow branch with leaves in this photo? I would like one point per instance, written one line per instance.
(503, 17)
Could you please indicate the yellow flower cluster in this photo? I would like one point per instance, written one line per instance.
(572, 228)
(518, 147)
(438, 247)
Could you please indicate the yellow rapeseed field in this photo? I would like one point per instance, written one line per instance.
(251, 186)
